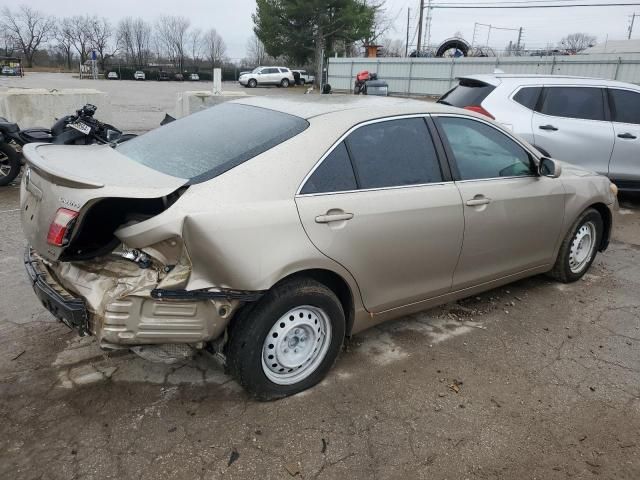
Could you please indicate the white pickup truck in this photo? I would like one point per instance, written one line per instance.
(305, 77)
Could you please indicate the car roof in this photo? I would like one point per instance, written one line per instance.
(521, 79)
(361, 107)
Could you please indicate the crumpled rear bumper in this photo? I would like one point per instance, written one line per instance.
(68, 308)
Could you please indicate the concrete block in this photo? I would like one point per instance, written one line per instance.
(194, 101)
(39, 107)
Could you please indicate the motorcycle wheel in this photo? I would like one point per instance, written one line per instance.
(9, 164)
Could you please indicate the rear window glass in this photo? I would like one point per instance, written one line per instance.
(208, 143)
(528, 96)
(467, 93)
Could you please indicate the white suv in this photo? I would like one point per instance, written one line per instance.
(305, 77)
(590, 122)
(280, 76)
(139, 75)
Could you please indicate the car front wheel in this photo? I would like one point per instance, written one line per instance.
(252, 83)
(288, 341)
(579, 247)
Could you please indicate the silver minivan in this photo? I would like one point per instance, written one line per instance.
(590, 122)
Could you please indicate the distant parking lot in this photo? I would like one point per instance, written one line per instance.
(137, 106)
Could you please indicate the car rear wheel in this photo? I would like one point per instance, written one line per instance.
(9, 164)
(288, 341)
(284, 83)
(579, 248)
(252, 83)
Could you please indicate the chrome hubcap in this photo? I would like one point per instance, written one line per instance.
(296, 345)
(5, 168)
(582, 247)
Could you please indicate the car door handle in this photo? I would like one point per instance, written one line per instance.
(627, 135)
(474, 202)
(548, 127)
(334, 217)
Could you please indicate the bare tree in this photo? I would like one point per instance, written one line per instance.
(256, 53)
(392, 48)
(63, 36)
(215, 47)
(576, 42)
(27, 29)
(195, 45)
(100, 36)
(134, 38)
(81, 35)
(172, 37)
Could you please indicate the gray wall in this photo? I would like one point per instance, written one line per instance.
(434, 76)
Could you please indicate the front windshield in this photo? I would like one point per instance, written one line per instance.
(256, 70)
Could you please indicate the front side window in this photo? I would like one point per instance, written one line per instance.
(625, 106)
(585, 103)
(394, 153)
(481, 151)
(334, 174)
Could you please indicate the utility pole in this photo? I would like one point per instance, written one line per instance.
(420, 27)
(427, 35)
(406, 46)
(633, 18)
(519, 39)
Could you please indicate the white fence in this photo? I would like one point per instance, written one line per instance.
(434, 76)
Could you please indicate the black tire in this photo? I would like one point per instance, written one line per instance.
(10, 163)
(284, 83)
(249, 329)
(562, 270)
(252, 83)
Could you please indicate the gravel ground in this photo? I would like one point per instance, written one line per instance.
(533, 380)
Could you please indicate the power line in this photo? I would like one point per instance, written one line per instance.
(482, 7)
(505, 2)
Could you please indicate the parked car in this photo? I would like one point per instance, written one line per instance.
(279, 76)
(112, 76)
(139, 75)
(163, 77)
(191, 233)
(305, 77)
(194, 77)
(589, 122)
(178, 77)
(8, 70)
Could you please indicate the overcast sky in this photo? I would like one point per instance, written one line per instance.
(232, 19)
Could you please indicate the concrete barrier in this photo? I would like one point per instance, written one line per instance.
(191, 102)
(39, 107)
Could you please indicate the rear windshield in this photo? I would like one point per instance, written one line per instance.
(467, 93)
(208, 143)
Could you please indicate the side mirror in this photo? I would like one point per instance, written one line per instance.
(550, 168)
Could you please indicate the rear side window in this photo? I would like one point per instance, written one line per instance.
(625, 106)
(467, 93)
(284, 70)
(206, 144)
(394, 153)
(334, 174)
(528, 96)
(573, 102)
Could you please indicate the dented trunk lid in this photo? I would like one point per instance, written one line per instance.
(74, 177)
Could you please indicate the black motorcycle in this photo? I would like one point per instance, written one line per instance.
(79, 129)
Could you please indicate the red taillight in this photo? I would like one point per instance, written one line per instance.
(60, 227)
(479, 109)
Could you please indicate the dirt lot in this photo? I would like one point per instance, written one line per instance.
(534, 380)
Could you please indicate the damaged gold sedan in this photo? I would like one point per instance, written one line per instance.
(272, 228)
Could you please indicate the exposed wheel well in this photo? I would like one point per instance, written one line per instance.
(338, 285)
(605, 213)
